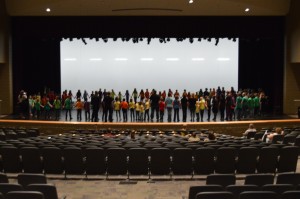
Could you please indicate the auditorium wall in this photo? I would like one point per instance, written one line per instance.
(292, 60)
(5, 62)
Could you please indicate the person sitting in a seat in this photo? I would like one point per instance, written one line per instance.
(194, 138)
(250, 129)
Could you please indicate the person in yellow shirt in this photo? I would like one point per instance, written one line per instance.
(202, 107)
(147, 108)
(131, 108)
(137, 111)
(117, 105)
(197, 110)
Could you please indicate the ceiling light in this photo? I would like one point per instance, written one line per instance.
(48, 10)
(247, 9)
(191, 1)
(198, 59)
(121, 59)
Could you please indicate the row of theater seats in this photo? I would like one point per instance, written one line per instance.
(257, 186)
(33, 186)
(12, 133)
(141, 161)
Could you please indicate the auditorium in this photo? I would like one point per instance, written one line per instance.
(159, 99)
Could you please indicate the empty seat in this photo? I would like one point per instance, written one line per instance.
(288, 158)
(215, 195)
(116, 161)
(160, 161)
(95, 163)
(278, 188)
(221, 179)
(3, 178)
(194, 190)
(291, 195)
(25, 179)
(52, 159)
(237, 189)
(247, 160)
(7, 187)
(204, 160)
(259, 179)
(182, 162)
(73, 160)
(138, 161)
(10, 159)
(289, 139)
(49, 191)
(31, 160)
(259, 195)
(225, 160)
(267, 162)
(288, 178)
(24, 195)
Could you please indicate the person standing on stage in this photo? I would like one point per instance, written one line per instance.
(192, 106)
(79, 106)
(147, 94)
(108, 110)
(238, 106)
(215, 106)
(132, 109)
(202, 107)
(127, 95)
(124, 108)
(142, 95)
(147, 108)
(184, 104)
(154, 100)
(95, 102)
(117, 106)
(222, 106)
(87, 108)
(134, 95)
(57, 107)
(85, 96)
(208, 106)
(169, 105)
(162, 107)
(176, 106)
(68, 107)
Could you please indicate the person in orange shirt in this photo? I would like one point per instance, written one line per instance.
(79, 106)
(124, 107)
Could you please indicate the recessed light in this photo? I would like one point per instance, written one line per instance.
(247, 9)
(191, 1)
(48, 10)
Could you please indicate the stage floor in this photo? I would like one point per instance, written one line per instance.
(235, 128)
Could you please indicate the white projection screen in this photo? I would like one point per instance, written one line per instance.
(122, 65)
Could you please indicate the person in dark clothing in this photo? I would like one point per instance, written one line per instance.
(154, 101)
(222, 102)
(184, 101)
(192, 106)
(228, 106)
(95, 102)
(208, 106)
(215, 106)
(108, 107)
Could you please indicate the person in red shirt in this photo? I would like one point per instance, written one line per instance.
(147, 94)
(124, 107)
(162, 107)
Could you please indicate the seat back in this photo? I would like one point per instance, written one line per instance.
(259, 195)
(289, 139)
(31, 160)
(225, 160)
(95, 163)
(182, 162)
(288, 159)
(204, 160)
(3, 178)
(7, 187)
(52, 159)
(10, 159)
(25, 179)
(204, 188)
(288, 178)
(49, 191)
(221, 179)
(278, 188)
(138, 161)
(267, 162)
(237, 189)
(215, 195)
(73, 160)
(116, 161)
(24, 195)
(160, 162)
(291, 195)
(247, 160)
(259, 179)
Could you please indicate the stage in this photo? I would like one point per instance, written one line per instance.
(235, 128)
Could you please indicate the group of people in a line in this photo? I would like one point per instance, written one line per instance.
(146, 106)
